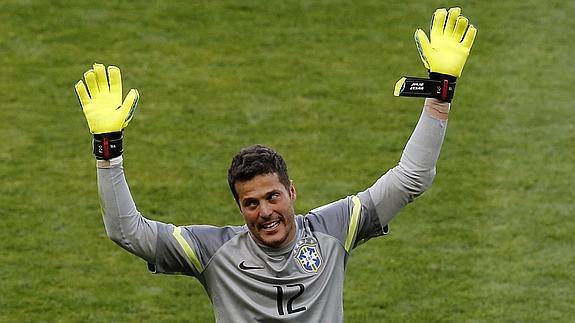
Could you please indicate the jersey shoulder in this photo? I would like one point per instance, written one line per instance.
(188, 249)
(352, 220)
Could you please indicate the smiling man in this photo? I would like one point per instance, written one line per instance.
(279, 266)
(261, 186)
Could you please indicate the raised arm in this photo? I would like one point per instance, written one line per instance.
(416, 168)
(101, 100)
(444, 55)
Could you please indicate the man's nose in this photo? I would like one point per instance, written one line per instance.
(265, 209)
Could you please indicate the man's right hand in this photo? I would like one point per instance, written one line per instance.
(104, 110)
(102, 100)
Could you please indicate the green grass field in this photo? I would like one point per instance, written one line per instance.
(491, 241)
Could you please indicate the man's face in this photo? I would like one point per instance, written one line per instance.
(267, 206)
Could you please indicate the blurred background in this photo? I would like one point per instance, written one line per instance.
(492, 240)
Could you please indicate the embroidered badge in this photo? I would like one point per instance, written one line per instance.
(309, 258)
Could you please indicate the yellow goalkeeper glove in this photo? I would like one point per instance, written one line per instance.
(444, 56)
(451, 41)
(104, 110)
(102, 100)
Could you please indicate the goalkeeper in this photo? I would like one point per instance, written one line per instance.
(279, 266)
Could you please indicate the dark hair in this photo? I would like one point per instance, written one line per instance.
(256, 160)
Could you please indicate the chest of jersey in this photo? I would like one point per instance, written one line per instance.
(300, 284)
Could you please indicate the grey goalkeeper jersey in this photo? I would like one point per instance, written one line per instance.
(248, 282)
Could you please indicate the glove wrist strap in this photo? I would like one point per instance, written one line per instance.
(438, 86)
(108, 145)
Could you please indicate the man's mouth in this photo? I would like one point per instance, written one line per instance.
(270, 226)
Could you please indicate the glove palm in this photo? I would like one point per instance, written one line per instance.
(102, 100)
(451, 41)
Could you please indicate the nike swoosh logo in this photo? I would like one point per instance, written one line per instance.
(243, 266)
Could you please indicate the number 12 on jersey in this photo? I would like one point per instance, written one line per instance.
(289, 289)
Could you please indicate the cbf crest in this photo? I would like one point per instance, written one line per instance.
(309, 258)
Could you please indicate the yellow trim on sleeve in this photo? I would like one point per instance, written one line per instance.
(187, 249)
(353, 222)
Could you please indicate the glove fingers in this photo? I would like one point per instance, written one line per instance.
(469, 37)
(451, 19)
(423, 46)
(460, 28)
(82, 93)
(101, 78)
(90, 78)
(115, 83)
(129, 106)
(438, 22)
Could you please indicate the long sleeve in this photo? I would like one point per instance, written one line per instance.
(124, 224)
(415, 171)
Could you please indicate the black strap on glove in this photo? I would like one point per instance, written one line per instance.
(438, 86)
(108, 145)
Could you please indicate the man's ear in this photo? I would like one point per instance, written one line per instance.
(292, 191)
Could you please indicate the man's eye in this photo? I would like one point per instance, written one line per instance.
(250, 204)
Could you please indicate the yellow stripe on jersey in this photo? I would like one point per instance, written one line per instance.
(353, 223)
(187, 249)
